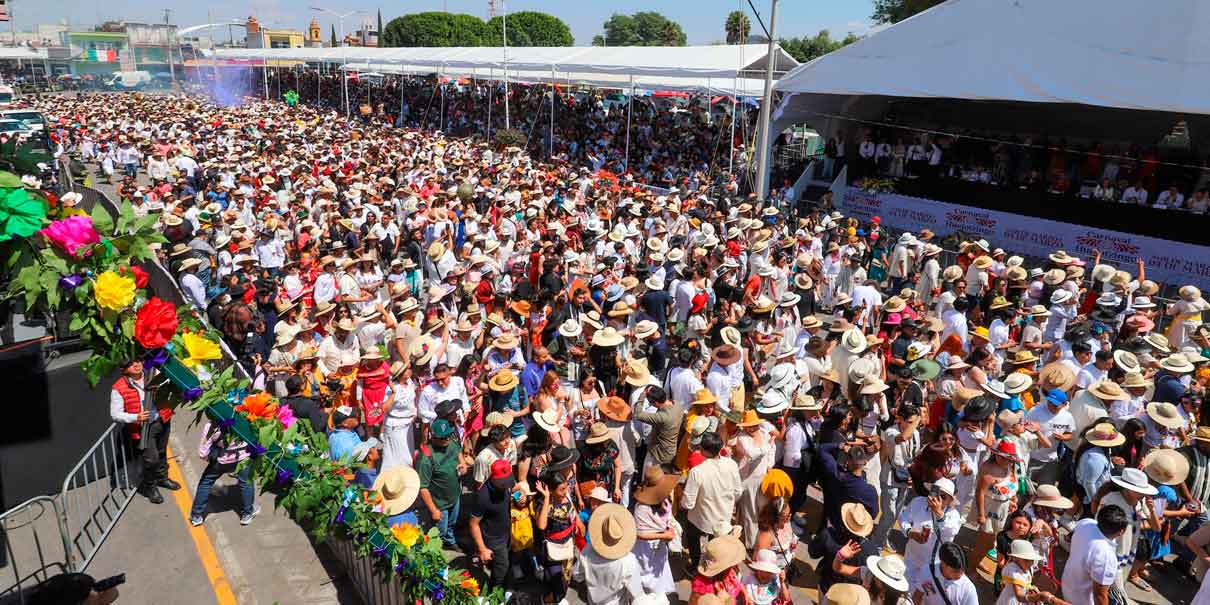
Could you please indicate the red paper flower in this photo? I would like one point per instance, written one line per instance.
(140, 276)
(155, 323)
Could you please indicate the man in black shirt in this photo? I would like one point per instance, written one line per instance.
(899, 346)
(843, 550)
(305, 407)
(491, 521)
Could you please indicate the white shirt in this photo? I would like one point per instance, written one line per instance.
(1086, 410)
(1049, 424)
(325, 288)
(1089, 374)
(612, 582)
(721, 380)
(916, 515)
(1093, 561)
(955, 323)
(194, 290)
(960, 592)
(683, 385)
(434, 394)
(117, 405)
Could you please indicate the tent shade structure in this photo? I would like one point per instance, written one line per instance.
(20, 52)
(1085, 52)
(721, 61)
(743, 87)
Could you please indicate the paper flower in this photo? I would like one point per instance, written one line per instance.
(71, 282)
(74, 235)
(285, 416)
(20, 214)
(113, 291)
(258, 407)
(155, 324)
(406, 534)
(140, 276)
(471, 585)
(199, 349)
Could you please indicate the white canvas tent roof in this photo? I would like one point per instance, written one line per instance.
(725, 86)
(717, 61)
(1106, 53)
(22, 52)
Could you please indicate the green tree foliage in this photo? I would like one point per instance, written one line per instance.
(529, 28)
(379, 30)
(333, 43)
(525, 28)
(434, 29)
(806, 48)
(894, 11)
(737, 27)
(645, 28)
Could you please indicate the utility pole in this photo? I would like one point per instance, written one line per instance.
(171, 67)
(762, 141)
(504, 18)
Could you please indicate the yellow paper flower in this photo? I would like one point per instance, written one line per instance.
(113, 291)
(406, 534)
(199, 349)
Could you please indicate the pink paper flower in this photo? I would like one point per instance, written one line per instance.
(71, 234)
(285, 416)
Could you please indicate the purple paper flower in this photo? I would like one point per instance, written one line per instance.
(340, 515)
(400, 566)
(226, 423)
(195, 392)
(155, 358)
(380, 551)
(438, 594)
(70, 282)
(258, 450)
(283, 476)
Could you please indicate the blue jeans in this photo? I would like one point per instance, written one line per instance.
(445, 527)
(131, 170)
(209, 476)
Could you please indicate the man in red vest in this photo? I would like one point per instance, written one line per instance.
(148, 429)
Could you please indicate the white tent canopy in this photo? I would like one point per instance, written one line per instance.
(744, 87)
(1112, 54)
(719, 61)
(11, 53)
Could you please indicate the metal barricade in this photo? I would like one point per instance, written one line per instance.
(372, 588)
(95, 494)
(35, 547)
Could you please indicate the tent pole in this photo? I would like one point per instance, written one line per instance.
(762, 141)
(629, 103)
(265, 75)
(491, 86)
(553, 90)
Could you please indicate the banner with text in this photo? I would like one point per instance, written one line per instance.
(1167, 261)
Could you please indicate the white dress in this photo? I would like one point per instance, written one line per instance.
(398, 439)
(655, 572)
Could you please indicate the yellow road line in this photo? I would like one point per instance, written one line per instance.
(201, 540)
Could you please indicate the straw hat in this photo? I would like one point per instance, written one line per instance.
(1166, 467)
(1177, 363)
(995, 388)
(607, 337)
(1165, 414)
(1202, 434)
(1104, 435)
(614, 408)
(890, 570)
(621, 309)
(598, 433)
(805, 403)
(611, 531)
(398, 487)
(984, 262)
(704, 396)
(1054, 277)
(856, 519)
(505, 342)
(952, 273)
(1060, 257)
(1108, 390)
(570, 329)
(549, 420)
(874, 386)
(657, 486)
(1017, 382)
(1039, 311)
(1135, 380)
(1126, 360)
(845, 594)
(763, 305)
(1135, 480)
(724, 355)
(1048, 495)
(1056, 375)
(503, 381)
(894, 304)
(645, 328)
(749, 419)
(853, 341)
(1024, 550)
(719, 555)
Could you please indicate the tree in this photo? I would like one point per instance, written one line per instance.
(805, 48)
(894, 11)
(737, 27)
(379, 30)
(646, 28)
(333, 44)
(434, 29)
(529, 28)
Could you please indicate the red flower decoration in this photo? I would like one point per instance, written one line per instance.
(155, 324)
(140, 276)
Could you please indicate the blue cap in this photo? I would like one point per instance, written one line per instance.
(1056, 396)
(442, 428)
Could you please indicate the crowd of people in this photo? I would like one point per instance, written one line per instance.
(580, 383)
(1090, 170)
(589, 128)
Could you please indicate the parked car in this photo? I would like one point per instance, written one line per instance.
(129, 80)
(33, 120)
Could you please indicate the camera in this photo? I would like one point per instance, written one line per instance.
(106, 583)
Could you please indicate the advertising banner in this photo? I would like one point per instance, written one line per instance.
(1167, 261)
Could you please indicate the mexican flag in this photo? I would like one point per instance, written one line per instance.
(103, 56)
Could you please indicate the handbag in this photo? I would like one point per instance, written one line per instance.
(901, 474)
(560, 551)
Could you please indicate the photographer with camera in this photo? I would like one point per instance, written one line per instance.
(76, 589)
(146, 426)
